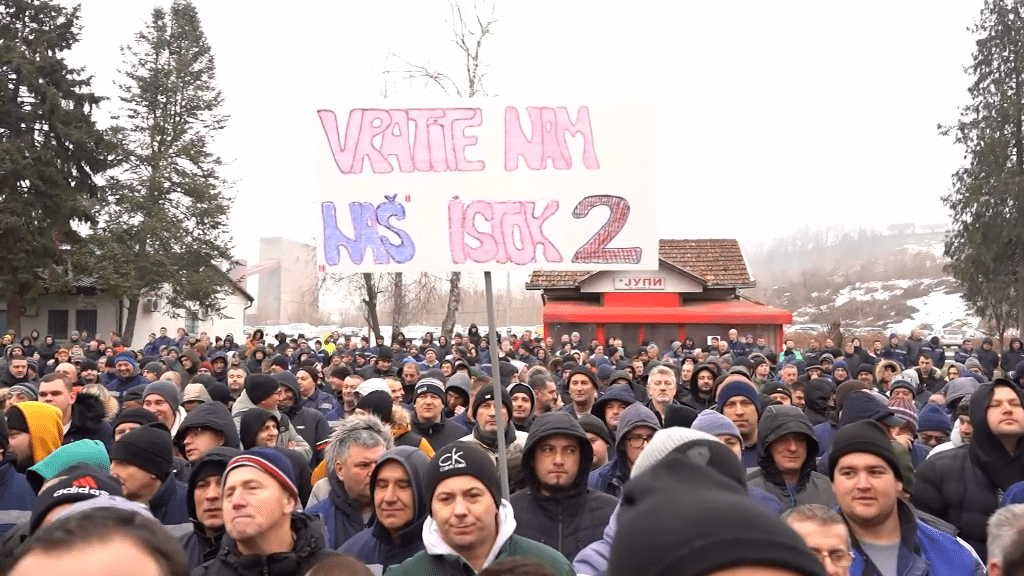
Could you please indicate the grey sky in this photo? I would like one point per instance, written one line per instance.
(774, 114)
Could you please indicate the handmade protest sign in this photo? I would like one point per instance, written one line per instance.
(485, 186)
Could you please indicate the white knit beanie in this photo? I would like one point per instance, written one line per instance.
(715, 423)
(665, 441)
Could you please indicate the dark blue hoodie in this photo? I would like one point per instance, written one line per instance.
(374, 546)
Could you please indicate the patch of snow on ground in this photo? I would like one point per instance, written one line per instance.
(937, 309)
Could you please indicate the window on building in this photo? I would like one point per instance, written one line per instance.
(85, 321)
(192, 323)
(57, 324)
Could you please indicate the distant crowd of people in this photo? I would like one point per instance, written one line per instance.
(335, 455)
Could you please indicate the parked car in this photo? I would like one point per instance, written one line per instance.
(950, 336)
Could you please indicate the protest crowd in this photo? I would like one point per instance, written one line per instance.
(332, 455)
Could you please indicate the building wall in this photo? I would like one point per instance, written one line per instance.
(234, 311)
(287, 293)
(77, 308)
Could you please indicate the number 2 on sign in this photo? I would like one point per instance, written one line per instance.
(595, 251)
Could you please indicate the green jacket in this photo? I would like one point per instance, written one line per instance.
(440, 560)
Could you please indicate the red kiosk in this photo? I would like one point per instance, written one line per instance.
(695, 293)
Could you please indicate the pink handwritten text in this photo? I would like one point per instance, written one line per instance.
(508, 221)
(548, 129)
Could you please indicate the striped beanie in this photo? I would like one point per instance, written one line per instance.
(904, 409)
(270, 461)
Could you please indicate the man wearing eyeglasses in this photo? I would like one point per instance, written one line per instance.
(888, 538)
(825, 533)
(637, 425)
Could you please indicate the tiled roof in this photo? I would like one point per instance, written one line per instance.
(719, 263)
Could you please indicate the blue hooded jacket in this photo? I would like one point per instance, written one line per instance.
(374, 546)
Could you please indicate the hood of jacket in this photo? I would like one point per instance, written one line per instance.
(213, 463)
(620, 392)
(227, 362)
(435, 545)
(545, 426)
(87, 413)
(633, 416)
(194, 357)
(212, 415)
(777, 421)
(251, 423)
(694, 391)
(619, 375)
(985, 450)
(415, 462)
(45, 427)
(817, 394)
(959, 388)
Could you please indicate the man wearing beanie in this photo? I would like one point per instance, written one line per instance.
(125, 376)
(963, 486)
(739, 402)
(557, 507)
(887, 535)
(600, 439)
(142, 460)
(637, 426)
(204, 503)
(34, 431)
(163, 399)
(906, 433)
(428, 418)
(265, 391)
(264, 532)
(470, 526)
(787, 451)
(523, 406)
(582, 386)
(486, 412)
(74, 483)
(933, 426)
(682, 517)
(717, 425)
(310, 424)
(16, 496)
(131, 419)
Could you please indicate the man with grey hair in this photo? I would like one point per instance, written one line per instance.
(825, 533)
(661, 390)
(350, 457)
(1005, 541)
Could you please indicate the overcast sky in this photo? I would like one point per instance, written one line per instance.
(772, 115)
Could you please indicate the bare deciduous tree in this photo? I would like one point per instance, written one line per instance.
(468, 33)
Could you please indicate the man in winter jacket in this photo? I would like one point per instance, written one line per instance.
(965, 351)
(610, 405)
(962, 486)
(558, 509)
(464, 491)
(637, 426)
(350, 457)
(126, 376)
(308, 423)
(400, 506)
(83, 415)
(16, 496)
(486, 412)
(787, 450)
(204, 504)
(522, 406)
(701, 383)
(887, 535)
(34, 431)
(740, 403)
(205, 428)
(428, 417)
(264, 534)
(141, 460)
(988, 358)
(264, 391)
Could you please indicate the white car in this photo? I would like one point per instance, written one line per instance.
(950, 336)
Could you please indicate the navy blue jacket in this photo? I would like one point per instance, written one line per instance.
(320, 401)
(168, 505)
(16, 496)
(341, 516)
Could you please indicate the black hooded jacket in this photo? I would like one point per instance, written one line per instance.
(567, 521)
(211, 415)
(811, 487)
(963, 486)
(307, 551)
(817, 395)
(198, 545)
(438, 434)
(88, 421)
(249, 427)
(695, 401)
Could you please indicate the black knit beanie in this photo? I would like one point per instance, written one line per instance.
(16, 419)
(148, 448)
(486, 394)
(139, 416)
(378, 403)
(462, 459)
(259, 387)
(690, 521)
(864, 436)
